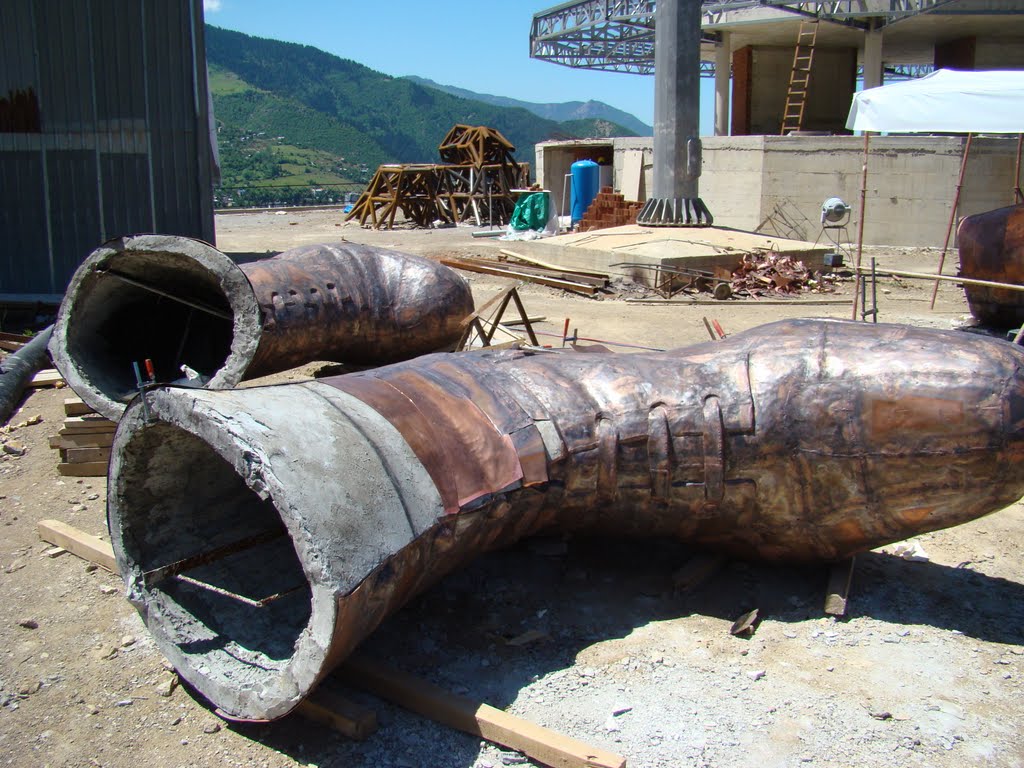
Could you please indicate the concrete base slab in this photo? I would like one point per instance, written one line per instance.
(689, 247)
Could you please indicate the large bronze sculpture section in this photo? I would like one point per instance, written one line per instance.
(263, 533)
(177, 301)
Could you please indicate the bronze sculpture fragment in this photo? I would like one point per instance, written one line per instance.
(177, 301)
(263, 533)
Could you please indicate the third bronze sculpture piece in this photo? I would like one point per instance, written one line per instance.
(991, 247)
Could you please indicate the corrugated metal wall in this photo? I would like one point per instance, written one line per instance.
(104, 131)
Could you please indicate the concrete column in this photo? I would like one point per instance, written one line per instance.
(676, 95)
(872, 58)
(723, 63)
(677, 156)
(742, 90)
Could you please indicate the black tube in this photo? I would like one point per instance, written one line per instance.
(18, 368)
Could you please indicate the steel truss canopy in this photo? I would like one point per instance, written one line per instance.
(892, 72)
(618, 35)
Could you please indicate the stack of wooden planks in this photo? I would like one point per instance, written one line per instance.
(48, 377)
(84, 441)
(534, 271)
(474, 183)
(12, 342)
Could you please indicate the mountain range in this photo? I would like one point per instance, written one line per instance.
(297, 124)
(562, 112)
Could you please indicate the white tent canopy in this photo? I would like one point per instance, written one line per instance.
(946, 101)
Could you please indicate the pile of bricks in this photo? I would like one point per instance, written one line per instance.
(609, 209)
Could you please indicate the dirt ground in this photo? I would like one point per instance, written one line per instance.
(926, 668)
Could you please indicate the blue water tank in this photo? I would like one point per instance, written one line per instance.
(586, 180)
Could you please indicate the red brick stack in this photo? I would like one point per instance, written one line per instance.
(609, 209)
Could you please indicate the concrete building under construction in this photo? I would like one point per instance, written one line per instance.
(785, 74)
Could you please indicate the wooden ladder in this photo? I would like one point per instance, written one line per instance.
(800, 77)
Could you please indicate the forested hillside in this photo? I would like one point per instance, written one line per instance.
(563, 112)
(296, 124)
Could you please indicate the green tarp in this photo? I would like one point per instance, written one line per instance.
(531, 212)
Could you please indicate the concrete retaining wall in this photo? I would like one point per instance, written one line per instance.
(776, 184)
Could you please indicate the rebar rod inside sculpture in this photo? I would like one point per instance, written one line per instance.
(177, 302)
(263, 533)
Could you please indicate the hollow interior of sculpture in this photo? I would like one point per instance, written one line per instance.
(220, 579)
(166, 308)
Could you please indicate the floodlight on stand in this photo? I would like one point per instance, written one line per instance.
(835, 215)
(834, 211)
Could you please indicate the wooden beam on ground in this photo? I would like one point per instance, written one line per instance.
(74, 406)
(565, 285)
(937, 278)
(83, 440)
(528, 269)
(747, 304)
(79, 543)
(838, 592)
(49, 377)
(330, 708)
(15, 338)
(539, 743)
(84, 455)
(77, 425)
(549, 265)
(84, 469)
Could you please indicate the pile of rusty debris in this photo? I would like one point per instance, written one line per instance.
(769, 272)
(474, 182)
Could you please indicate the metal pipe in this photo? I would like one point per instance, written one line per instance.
(959, 280)
(804, 440)
(723, 72)
(18, 368)
(860, 224)
(165, 294)
(134, 298)
(1018, 195)
(952, 216)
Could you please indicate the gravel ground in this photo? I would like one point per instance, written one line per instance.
(591, 637)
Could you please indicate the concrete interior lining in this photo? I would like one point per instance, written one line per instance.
(177, 508)
(115, 322)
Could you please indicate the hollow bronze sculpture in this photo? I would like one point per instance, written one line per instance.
(264, 532)
(177, 302)
(991, 247)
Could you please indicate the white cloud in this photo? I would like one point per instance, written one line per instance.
(211, 6)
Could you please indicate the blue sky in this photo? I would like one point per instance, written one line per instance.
(479, 45)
